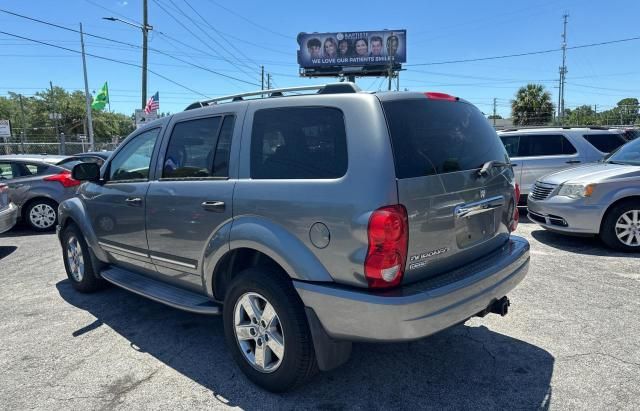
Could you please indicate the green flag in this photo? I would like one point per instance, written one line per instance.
(101, 99)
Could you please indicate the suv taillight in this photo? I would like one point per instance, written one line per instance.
(4, 188)
(516, 214)
(388, 235)
(64, 178)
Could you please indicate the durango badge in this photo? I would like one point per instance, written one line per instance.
(417, 260)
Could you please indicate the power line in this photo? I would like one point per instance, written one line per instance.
(157, 2)
(251, 21)
(221, 36)
(123, 43)
(606, 88)
(104, 58)
(111, 11)
(262, 47)
(531, 53)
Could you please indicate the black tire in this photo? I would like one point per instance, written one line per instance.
(298, 364)
(45, 223)
(609, 232)
(89, 281)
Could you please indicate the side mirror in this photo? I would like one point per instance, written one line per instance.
(86, 172)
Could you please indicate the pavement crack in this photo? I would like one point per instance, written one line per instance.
(570, 357)
(127, 388)
(482, 343)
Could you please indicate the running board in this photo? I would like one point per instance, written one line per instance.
(161, 292)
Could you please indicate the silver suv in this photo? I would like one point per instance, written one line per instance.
(536, 152)
(306, 221)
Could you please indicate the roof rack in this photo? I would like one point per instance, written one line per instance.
(557, 127)
(333, 88)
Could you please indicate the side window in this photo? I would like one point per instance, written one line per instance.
(132, 163)
(192, 148)
(511, 144)
(37, 169)
(544, 145)
(605, 143)
(298, 143)
(221, 159)
(6, 172)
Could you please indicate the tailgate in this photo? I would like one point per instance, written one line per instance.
(455, 214)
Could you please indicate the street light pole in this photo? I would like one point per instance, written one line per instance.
(146, 28)
(87, 96)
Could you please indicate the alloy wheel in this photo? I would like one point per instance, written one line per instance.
(75, 260)
(628, 228)
(258, 332)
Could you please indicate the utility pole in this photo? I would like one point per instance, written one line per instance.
(494, 112)
(262, 77)
(54, 116)
(145, 31)
(146, 28)
(398, 81)
(563, 70)
(24, 125)
(87, 96)
(268, 81)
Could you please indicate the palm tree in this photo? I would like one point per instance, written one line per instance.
(532, 106)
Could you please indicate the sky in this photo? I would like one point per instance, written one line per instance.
(234, 38)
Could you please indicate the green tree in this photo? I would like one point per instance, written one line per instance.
(628, 110)
(532, 106)
(583, 115)
(72, 108)
(497, 117)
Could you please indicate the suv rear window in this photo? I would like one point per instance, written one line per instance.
(605, 143)
(433, 137)
(298, 143)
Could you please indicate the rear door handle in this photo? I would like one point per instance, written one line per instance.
(215, 206)
(134, 201)
(573, 162)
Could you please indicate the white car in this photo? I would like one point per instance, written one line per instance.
(536, 152)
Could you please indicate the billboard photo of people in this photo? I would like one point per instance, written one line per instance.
(357, 48)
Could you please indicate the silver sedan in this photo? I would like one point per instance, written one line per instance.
(596, 199)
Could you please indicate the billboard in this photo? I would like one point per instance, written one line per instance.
(353, 48)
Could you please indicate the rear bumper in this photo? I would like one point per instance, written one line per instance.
(419, 309)
(8, 217)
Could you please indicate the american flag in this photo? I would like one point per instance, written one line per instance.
(153, 104)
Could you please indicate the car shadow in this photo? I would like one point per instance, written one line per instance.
(463, 367)
(590, 245)
(22, 229)
(6, 250)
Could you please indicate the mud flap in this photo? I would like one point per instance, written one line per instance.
(330, 353)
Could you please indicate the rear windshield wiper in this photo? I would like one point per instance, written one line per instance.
(490, 164)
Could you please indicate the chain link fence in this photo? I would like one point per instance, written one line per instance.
(52, 145)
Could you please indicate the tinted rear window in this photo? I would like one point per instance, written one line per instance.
(298, 143)
(433, 137)
(605, 143)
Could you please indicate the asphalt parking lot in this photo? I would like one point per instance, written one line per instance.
(570, 341)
